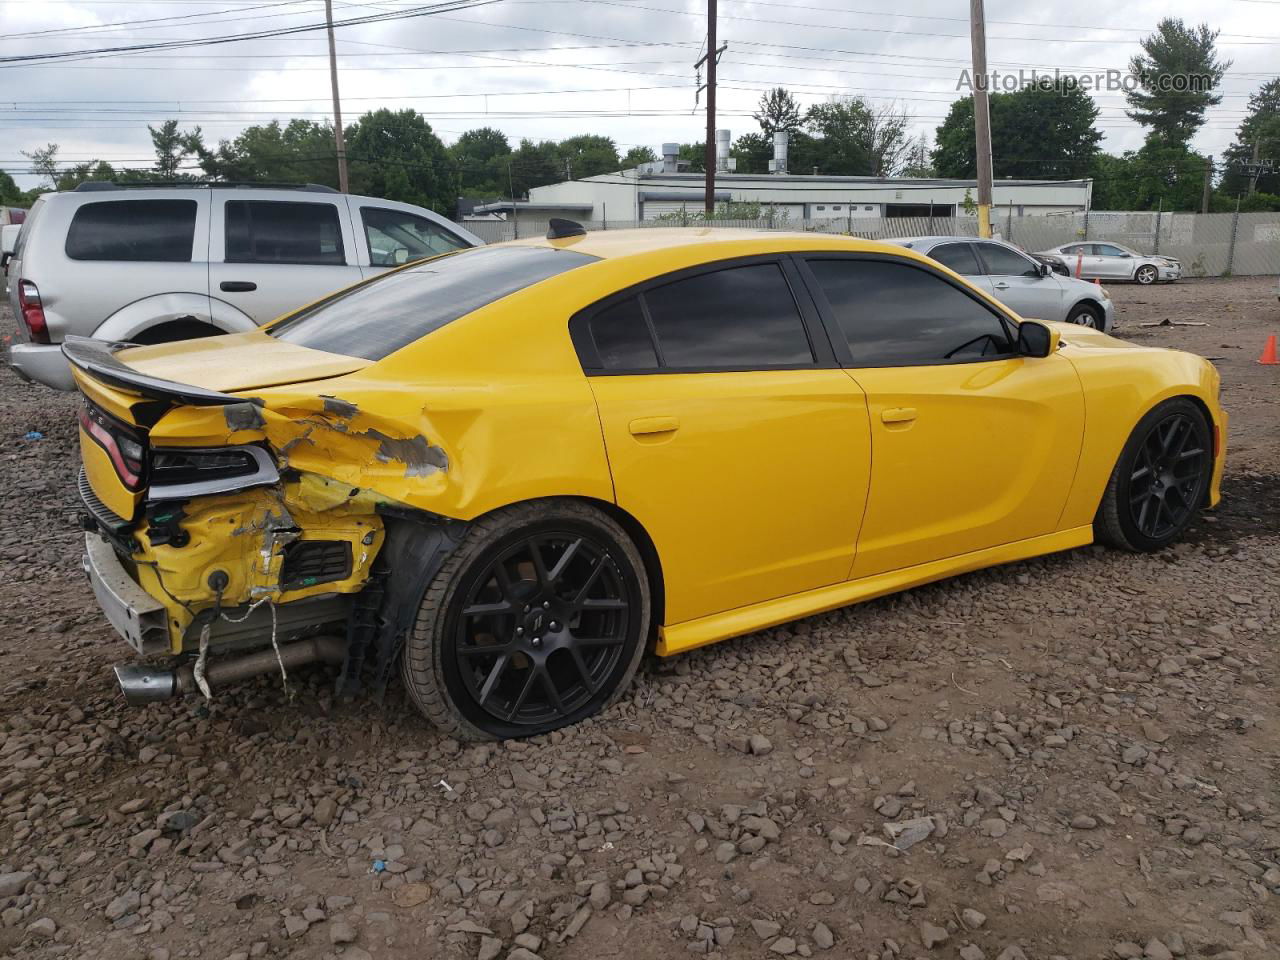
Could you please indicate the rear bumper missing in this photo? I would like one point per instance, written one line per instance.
(136, 615)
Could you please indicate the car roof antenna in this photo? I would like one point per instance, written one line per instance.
(559, 228)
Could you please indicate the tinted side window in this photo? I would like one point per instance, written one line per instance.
(397, 237)
(1107, 250)
(162, 230)
(958, 256)
(281, 231)
(736, 317)
(1003, 262)
(893, 314)
(621, 337)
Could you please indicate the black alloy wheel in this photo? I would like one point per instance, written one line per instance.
(542, 628)
(1161, 479)
(537, 621)
(1165, 486)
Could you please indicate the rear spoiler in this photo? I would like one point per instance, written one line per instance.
(97, 358)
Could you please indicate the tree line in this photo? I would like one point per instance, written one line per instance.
(1040, 132)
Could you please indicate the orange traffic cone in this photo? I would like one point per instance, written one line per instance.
(1269, 352)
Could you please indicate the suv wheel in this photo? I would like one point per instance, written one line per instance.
(536, 621)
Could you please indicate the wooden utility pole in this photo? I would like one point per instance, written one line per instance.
(981, 114)
(340, 144)
(710, 154)
(1208, 184)
(1254, 168)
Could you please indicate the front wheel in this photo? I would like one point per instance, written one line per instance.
(1160, 480)
(538, 620)
(1086, 315)
(1146, 275)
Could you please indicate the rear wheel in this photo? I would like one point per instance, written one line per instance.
(536, 621)
(1146, 274)
(1160, 480)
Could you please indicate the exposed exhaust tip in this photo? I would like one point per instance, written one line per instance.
(143, 684)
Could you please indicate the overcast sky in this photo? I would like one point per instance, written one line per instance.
(555, 68)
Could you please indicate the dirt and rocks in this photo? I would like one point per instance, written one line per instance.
(1072, 757)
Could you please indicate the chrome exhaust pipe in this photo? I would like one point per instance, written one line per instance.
(141, 683)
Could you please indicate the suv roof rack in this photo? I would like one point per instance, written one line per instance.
(94, 186)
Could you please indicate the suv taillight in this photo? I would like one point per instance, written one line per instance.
(32, 311)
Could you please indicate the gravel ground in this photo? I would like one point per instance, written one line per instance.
(1077, 757)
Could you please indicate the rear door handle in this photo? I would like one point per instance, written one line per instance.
(650, 425)
(237, 286)
(898, 414)
(1002, 285)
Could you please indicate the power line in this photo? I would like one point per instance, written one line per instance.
(427, 11)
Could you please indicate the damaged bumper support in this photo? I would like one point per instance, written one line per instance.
(141, 683)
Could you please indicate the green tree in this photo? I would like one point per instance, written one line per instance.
(842, 129)
(396, 155)
(44, 162)
(1038, 132)
(1177, 74)
(300, 152)
(1156, 176)
(533, 165)
(917, 162)
(638, 155)
(753, 151)
(1260, 132)
(589, 155)
(778, 110)
(694, 156)
(172, 147)
(9, 192)
(481, 157)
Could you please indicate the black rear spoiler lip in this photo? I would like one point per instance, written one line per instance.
(97, 358)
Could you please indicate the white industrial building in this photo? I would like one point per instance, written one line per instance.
(659, 189)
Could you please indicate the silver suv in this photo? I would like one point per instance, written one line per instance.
(155, 264)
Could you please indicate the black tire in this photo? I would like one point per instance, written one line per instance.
(1160, 481)
(1086, 315)
(1146, 274)
(536, 621)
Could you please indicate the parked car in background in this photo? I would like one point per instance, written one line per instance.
(1026, 285)
(1113, 261)
(8, 241)
(1055, 264)
(156, 264)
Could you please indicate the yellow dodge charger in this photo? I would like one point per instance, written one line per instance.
(509, 471)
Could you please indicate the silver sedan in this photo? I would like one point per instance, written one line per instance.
(1028, 287)
(1114, 261)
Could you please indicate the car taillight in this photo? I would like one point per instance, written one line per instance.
(32, 311)
(125, 452)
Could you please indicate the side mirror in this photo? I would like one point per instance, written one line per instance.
(1036, 339)
(1045, 269)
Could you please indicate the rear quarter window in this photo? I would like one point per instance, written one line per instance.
(155, 230)
(397, 308)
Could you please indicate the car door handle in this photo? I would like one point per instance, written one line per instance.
(1002, 285)
(898, 414)
(237, 286)
(650, 425)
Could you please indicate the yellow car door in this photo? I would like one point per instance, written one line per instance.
(973, 446)
(733, 436)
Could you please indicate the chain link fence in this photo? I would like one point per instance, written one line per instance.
(1207, 244)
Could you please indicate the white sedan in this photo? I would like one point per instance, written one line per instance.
(1113, 261)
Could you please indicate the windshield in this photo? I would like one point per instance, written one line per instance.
(379, 318)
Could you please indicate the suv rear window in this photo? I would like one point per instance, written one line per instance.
(396, 309)
(132, 230)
